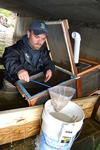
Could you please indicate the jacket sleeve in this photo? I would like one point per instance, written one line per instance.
(11, 60)
(48, 63)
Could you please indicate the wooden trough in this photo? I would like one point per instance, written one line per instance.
(21, 123)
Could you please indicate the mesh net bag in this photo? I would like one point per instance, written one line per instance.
(60, 95)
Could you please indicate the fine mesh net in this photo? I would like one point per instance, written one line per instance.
(60, 95)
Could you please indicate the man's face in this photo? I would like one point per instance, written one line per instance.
(36, 41)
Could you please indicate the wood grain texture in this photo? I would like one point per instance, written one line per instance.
(19, 123)
(87, 104)
(25, 122)
(88, 70)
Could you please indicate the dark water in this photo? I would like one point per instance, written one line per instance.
(11, 98)
(26, 144)
(57, 78)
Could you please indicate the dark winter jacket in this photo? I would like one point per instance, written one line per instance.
(17, 57)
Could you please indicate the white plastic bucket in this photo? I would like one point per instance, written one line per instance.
(57, 132)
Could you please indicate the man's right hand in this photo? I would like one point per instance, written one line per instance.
(23, 75)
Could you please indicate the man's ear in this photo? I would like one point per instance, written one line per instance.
(28, 33)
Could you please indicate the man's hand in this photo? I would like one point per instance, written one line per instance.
(48, 75)
(23, 75)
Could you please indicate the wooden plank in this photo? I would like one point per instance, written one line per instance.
(21, 92)
(19, 132)
(71, 57)
(91, 62)
(88, 112)
(87, 104)
(33, 101)
(88, 70)
(22, 123)
(79, 87)
(25, 122)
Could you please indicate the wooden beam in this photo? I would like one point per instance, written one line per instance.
(33, 101)
(91, 62)
(21, 92)
(74, 68)
(87, 104)
(19, 124)
(88, 70)
(79, 87)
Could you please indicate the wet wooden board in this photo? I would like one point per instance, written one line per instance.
(87, 104)
(21, 123)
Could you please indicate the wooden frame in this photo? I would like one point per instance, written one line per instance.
(19, 124)
(93, 66)
(32, 99)
(65, 28)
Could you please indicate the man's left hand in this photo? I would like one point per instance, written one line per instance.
(48, 75)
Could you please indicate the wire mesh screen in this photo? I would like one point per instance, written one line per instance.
(90, 82)
(58, 46)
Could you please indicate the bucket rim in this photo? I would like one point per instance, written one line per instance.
(59, 121)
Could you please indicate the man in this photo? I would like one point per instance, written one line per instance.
(29, 56)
